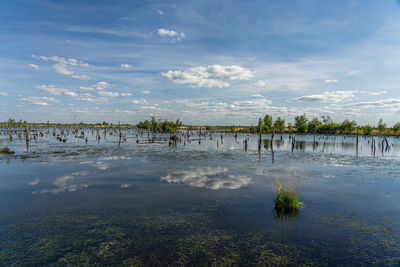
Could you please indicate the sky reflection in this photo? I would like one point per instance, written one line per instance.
(209, 177)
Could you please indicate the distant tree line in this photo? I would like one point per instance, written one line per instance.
(322, 125)
(161, 126)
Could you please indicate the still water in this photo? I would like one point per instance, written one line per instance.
(204, 201)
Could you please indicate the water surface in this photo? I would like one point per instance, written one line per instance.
(204, 201)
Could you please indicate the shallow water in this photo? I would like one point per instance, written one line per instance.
(202, 202)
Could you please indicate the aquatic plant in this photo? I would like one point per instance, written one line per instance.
(5, 149)
(287, 200)
(287, 195)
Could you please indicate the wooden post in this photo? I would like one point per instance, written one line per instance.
(357, 143)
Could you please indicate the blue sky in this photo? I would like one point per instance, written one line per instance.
(205, 62)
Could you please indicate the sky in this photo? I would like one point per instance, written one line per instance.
(205, 62)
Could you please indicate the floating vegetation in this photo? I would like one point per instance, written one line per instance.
(162, 240)
(6, 150)
(372, 238)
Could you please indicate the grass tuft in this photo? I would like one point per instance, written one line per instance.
(6, 150)
(287, 195)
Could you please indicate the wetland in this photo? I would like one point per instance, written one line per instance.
(125, 197)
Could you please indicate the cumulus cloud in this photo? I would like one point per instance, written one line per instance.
(62, 69)
(258, 95)
(97, 86)
(210, 76)
(51, 89)
(261, 83)
(33, 66)
(374, 93)
(70, 61)
(131, 112)
(251, 105)
(40, 101)
(126, 66)
(146, 92)
(3, 94)
(159, 11)
(126, 94)
(331, 81)
(108, 94)
(81, 77)
(389, 103)
(169, 33)
(62, 65)
(86, 97)
(208, 177)
(138, 102)
(327, 97)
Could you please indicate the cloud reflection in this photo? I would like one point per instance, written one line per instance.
(34, 182)
(65, 184)
(209, 177)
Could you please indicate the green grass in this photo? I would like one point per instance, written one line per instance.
(287, 200)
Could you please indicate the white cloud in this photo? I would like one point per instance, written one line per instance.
(159, 11)
(126, 94)
(40, 101)
(3, 94)
(33, 66)
(70, 61)
(108, 94)
(62, 69)
(209, 177)
(258, 95)
(389, 103)
(56, 91)
(169, 33)
(126, 66)
(261, 83)
(62, 64)
(327, 97)
(131, 112)
(97, 86)
(373, 93)
(137, 102)
(210, 76)
(81, 77)
(146, 92)
(331, 81)
(251, 105)
(86, 97)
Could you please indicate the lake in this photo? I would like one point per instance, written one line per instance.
(204, 201)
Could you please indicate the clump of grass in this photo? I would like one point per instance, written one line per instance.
(5, 149)
(287, 195)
